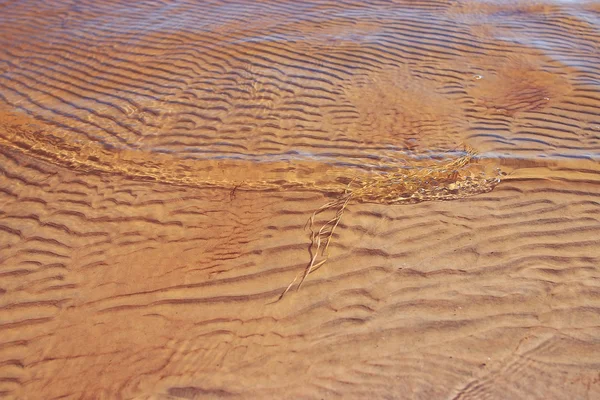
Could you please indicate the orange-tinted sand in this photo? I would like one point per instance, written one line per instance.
(159, 161)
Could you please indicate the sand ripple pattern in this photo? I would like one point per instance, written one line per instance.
(119, 281)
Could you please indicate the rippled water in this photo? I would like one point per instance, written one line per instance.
(159, 160)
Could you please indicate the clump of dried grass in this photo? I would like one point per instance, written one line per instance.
(436, 180)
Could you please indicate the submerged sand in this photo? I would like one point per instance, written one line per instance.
(159, 161)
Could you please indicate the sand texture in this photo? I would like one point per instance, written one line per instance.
(159, 161)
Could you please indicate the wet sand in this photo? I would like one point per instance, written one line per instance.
(159, 161)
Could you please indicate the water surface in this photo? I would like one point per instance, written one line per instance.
(159, 161)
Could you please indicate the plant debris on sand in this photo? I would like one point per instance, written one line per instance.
(435, 180)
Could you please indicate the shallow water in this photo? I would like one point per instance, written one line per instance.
(160, 159)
